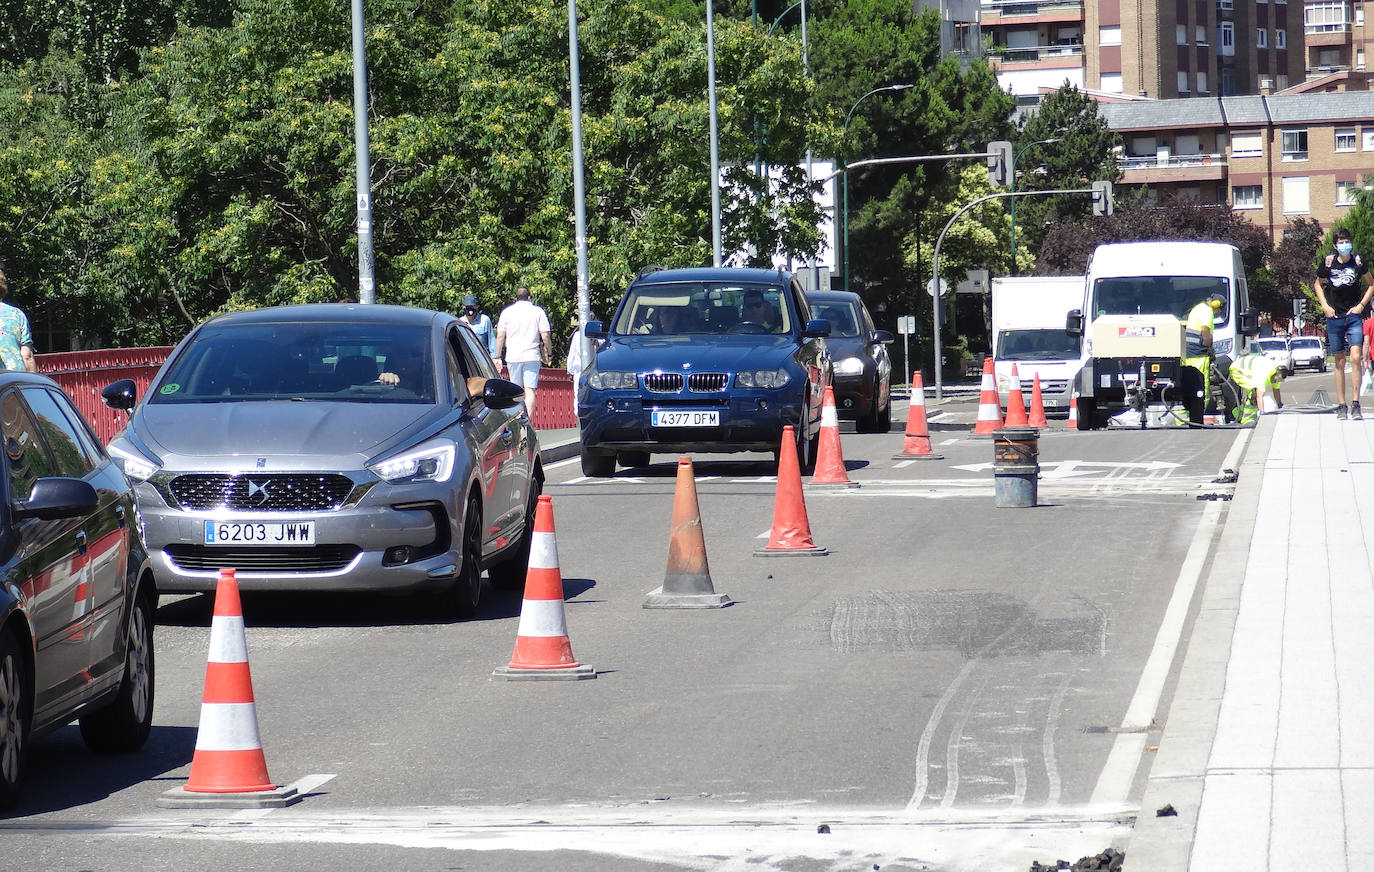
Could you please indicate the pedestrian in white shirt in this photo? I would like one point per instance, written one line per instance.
(522, 343)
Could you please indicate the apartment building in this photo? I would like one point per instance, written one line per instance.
(1148, 48)
(1336, 38)
(1274, 157)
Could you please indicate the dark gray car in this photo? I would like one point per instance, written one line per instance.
(333, 447)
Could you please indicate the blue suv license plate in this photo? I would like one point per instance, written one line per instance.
(685, 418)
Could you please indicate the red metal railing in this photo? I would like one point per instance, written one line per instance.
(83, 374)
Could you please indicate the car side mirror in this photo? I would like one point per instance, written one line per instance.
(502, 394)
(120, 395)
(1249, 322)
(1073, 324)
(882, 336)
(816, 328)
(595, 330)
(54, 498)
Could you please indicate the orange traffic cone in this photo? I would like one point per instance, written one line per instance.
(542, 646)
(687, 582)
(989, 412)
(829, 458)
(791, 533)
(916, 445)
(1036, 416)
(228, 758)
(1016, 404)
(1073, 410)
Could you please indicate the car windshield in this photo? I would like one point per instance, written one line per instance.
(843, 317)
(1272, 345)
(1051, 344)
(1154, 295)
(302, 361)
(1307, 343)
(685, 308)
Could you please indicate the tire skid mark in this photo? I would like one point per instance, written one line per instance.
(1047, 750)
(952, 744)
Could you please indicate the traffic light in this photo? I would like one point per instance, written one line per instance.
(1102, 198)
(999, 163)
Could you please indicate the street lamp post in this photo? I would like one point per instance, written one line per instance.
(1011, 175)
(367, 285)
(715, 135)
(845, 171)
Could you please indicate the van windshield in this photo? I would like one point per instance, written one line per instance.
(1157, 295)
(1049, 344)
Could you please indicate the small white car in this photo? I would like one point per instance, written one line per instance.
(1276, 349)
(1308, 352)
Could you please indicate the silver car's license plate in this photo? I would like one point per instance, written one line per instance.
(685, 418)
(259, 533)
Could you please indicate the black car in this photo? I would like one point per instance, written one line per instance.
(77, 594)
(710, 359)
(858, 356)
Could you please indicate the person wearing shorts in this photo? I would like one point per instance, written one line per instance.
(522, 344)
(1338, 292)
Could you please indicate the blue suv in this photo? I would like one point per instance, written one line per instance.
(710, 359)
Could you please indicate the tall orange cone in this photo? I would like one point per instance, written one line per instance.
(829, 457)
(916, 445)
(228, 758)
(542, 646)
(791, 533)
(1073, 410)
(1016, 404)
(687, 581)
(989, 412)
(1036, 416)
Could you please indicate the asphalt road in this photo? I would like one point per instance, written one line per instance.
(955, 686)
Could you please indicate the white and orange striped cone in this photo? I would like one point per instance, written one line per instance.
(1073, 409)
(829, 456)
(1016, 404)
(989, 412)
(228, 764)
(1036, 416)
(916, 444)
(542, 647)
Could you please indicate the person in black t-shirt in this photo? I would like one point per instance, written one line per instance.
(1338, 291)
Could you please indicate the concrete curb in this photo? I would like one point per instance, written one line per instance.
(1165, 844)
(560, 450)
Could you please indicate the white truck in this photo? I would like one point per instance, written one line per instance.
(1136, 299)
(1028, 330)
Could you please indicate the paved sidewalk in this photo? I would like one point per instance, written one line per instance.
(1267, 754)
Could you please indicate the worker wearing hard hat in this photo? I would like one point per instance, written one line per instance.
(1198, 338)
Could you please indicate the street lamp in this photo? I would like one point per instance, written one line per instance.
(1016, 159)
(845, 171)
(715, 134)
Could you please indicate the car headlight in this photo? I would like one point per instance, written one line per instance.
(429, 463)
(611, 379)
(761, 378)
(850, 366)
(135, 466)
(1222, 346)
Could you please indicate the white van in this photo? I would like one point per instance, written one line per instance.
(1028, 332)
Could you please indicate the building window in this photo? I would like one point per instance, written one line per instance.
(1345, 193)
(1228, 82)
(1294, 145)
(1201, 33)
(1247, 196)
(1226, 37)
(1261, 38)
(1246, 145)
(1111, 83)
(1368, 137)
(1359, 58)
(1281, 37)
(1109, 35)
(1345, 139)
(1295, 201)
(1181, 34)
(1202, 83)
(1359, 16)
(1183, 81)
(1326, 17)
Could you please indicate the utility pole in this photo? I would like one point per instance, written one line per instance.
(367, 285)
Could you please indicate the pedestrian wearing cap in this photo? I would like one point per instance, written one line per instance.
(478, 322)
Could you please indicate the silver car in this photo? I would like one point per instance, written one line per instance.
(332, 447)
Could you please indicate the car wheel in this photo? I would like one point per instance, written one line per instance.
(124, 724)
(869, 422)
(806, 448)
(597, 462)
(1087, 412)
(885, 418)
(633, 458)
(14, 707)
(463, 595)
(510, 574)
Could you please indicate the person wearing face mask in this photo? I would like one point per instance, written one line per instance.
(1338, 291)
(478, 322)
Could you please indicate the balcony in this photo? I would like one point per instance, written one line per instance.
(1024, 11)
(1037, 55)
(1156, 168)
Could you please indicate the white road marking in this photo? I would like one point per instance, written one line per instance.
(1149, 465)
(902, 464)
(944, 442)
(1114, 782)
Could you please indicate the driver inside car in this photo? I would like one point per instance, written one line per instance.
(404, 368)
(757, 310)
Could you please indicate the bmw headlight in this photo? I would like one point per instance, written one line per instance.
(1222, 346)
(135, 466)
(761, 378)
(850, 366)
(427, 463)
(611, 379)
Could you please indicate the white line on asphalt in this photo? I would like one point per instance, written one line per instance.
(902, 464)
(1114, 783)
(948, 441)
